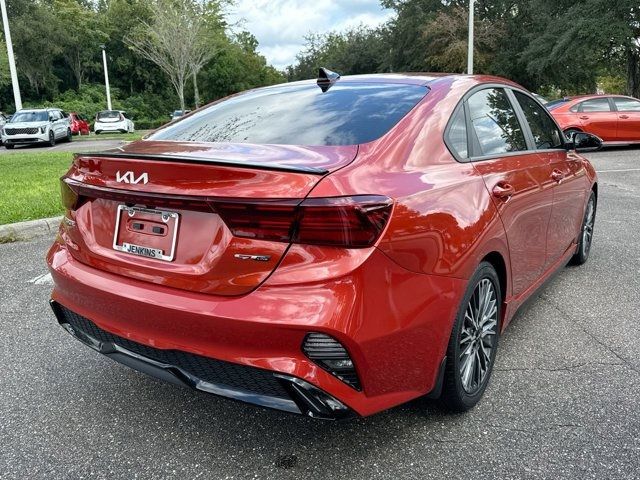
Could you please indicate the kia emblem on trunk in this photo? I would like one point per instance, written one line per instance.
(129, 177)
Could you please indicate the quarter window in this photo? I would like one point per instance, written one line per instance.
(595, 105)
(627, 104)
(544, 130)
(495, 123)
(457, 134)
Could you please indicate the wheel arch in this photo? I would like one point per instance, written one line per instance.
(497, 261)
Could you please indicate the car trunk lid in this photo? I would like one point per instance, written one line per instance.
(154, 211)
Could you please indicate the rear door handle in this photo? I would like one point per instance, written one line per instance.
(557, 175)
(503, 190)
(584, 117)
(624, 116)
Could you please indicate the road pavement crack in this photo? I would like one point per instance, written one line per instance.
(588, 333)
(559, 369)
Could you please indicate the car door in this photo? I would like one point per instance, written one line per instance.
(628, 110)
(596, 116)
(568, 174)
(55, 116)
(518, 178)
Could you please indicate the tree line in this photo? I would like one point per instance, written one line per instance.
(555, 47)
(169, 54)
(162, 55)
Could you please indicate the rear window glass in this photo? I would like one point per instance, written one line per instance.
(108, 116)
(553, 104)
(346, 114)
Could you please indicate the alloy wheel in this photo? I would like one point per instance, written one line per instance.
(478, 336)
(587, 231)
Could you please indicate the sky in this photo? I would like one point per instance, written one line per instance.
(281, 25)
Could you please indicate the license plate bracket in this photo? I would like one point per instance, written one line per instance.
(157, 242)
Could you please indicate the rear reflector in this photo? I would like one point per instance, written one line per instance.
(327, 352)
(351, 222)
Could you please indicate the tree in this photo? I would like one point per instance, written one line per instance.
(79, 36)
(175, 39)
(208, 35)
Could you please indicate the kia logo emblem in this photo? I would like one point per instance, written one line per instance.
(129, 177)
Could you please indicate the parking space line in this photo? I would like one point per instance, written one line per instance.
(622, 170)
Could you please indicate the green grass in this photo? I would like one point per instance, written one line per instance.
(30, 186)
(130, 137)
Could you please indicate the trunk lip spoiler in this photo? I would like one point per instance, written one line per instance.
(204, 160)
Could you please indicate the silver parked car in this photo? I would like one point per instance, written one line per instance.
(42, 125)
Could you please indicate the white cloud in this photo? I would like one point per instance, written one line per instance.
(281, 25)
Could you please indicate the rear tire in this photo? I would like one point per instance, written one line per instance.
(586, 232)
(474, 341)
(69, 136)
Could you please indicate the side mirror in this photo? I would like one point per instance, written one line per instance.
(585, 142)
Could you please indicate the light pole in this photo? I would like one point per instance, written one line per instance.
(106, 75)
(12, 61)
(470, 44)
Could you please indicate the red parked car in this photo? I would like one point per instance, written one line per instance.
(79, 124)
(613, 118)
(327, 251)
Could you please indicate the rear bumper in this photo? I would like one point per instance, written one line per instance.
(395, 325)
(247, 384)
(110, 127)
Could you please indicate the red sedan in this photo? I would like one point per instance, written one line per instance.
(79, 124)
(329, 249)
(613, 118)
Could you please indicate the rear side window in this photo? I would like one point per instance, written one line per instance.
(347, 114)
(457, 134)
(627, 104)
(495, 123)
(595, 105)
(544, 130)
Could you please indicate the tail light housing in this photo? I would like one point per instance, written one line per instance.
(351, 222)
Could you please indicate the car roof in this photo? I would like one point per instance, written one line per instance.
(411, 78)
(37, 109)
(576, 98)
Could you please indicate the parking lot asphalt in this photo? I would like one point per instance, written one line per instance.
(564, 400)
(82, 146)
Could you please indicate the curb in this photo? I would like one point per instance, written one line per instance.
(20, 231)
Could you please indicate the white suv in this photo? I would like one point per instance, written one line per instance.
(43, 125)
(113, 121)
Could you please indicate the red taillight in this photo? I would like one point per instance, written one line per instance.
(352, 222)
(68, 196)
(261, 220)
(343, 221)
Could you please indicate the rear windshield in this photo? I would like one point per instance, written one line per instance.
(346, 114)
(555, 103)
(29, 117)
(109, 115)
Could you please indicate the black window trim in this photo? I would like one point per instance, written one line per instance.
(524, 125)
